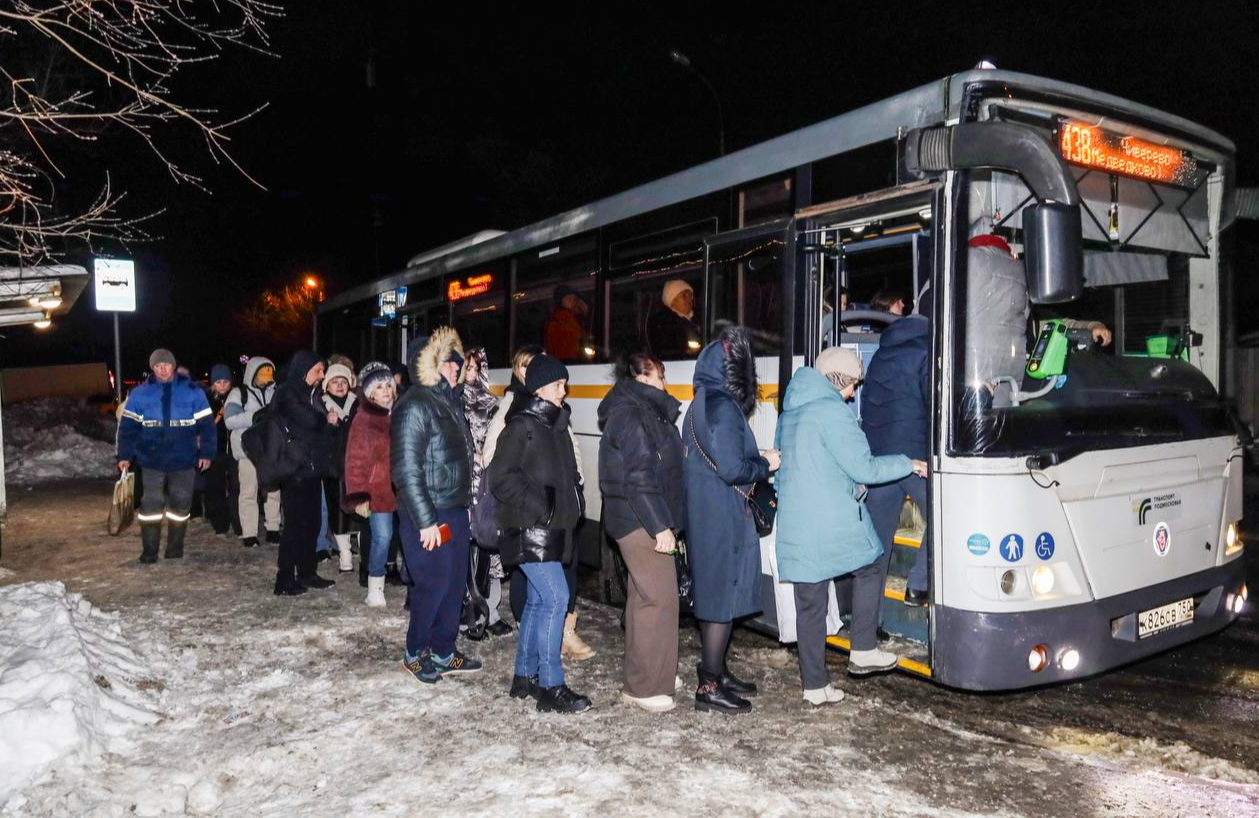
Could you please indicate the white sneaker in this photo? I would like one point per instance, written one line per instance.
(678, 684)
(375, 592)
(823, 695)
(864, 662)
(652, 704)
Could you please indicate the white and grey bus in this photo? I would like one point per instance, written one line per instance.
(1083, 499)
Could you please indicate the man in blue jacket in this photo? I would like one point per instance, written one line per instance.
(167, 429)
(895, 416)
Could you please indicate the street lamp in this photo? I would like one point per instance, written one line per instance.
(316, 295)
(684, 61)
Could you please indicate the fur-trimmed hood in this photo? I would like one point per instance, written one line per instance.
(727, 365)
(427, 364)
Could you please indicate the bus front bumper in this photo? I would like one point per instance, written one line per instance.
(974, 650)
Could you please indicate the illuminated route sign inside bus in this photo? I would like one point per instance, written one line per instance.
(1110, 152)
(457, 290)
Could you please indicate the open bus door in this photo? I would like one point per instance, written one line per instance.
(882, 241)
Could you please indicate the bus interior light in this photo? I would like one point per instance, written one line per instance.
(1043, 580)
(1069, 659)
(1037, 658)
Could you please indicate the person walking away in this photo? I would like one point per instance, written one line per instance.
(368, 488)
(431, 464)
(640, 475)
(534, 478)
(255, 392)
(336, 526)
(168, 430)
(218, 477)
(721, 466)
(823, 529)
(896, 416)
(574, 647)
(479, 407)
(299, 406)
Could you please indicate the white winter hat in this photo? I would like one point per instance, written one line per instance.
(337, 371)
(673, 289)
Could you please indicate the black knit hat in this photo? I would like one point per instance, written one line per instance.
(543, 370)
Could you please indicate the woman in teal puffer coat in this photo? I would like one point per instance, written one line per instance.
(824, 530)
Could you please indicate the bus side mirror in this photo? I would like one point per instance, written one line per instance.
(1052, 252)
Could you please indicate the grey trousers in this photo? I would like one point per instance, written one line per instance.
(167, 494)
(247, 503)
(811, 603)
(651, 617)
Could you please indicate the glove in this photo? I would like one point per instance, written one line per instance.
(363, 509)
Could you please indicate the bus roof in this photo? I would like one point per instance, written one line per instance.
(929, 104)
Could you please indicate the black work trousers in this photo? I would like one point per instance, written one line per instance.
(299, 498)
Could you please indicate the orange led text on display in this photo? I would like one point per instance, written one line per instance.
(1125, 155)
(458, 290)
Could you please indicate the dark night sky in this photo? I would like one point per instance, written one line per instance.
(480, 121)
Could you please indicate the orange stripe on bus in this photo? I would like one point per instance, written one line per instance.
(767, 392)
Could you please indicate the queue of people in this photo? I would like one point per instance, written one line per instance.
(409, 467)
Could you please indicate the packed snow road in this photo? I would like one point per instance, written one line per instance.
(242, 703)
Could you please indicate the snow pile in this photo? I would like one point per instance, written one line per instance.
(67, 680)
(1150, 753)
(57, 439)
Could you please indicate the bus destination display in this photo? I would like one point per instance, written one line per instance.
(1110, 152)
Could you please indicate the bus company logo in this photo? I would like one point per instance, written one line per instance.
(978, 544)
(1167, 506)
(1162, 539)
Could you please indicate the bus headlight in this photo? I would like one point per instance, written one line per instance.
(1069, 659)
(1245, 593)
(1038, 658)
(1043, 580)
(1232, 541)
(1239, 604)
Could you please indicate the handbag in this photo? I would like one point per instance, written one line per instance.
(762, 498)
(686, 584)
(123, 508)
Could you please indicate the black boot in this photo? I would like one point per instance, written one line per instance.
(524, 687)
(287, 585)
(392, 575)
(711, 696)
(313, 580)
(150, 541)
(736, 685)
(560, 699)
(175, 539)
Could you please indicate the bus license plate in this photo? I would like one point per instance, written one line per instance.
(1165, 618)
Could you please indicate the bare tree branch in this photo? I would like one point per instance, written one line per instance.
(111, 65)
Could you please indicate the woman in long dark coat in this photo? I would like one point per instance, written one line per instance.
(722, 544)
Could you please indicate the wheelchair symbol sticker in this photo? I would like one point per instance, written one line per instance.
(1045, 546)
(1012, 548)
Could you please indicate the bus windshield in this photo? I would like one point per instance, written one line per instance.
(1119, 367)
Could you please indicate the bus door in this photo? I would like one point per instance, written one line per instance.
(864, 263)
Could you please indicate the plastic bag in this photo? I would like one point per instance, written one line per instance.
(123, 509)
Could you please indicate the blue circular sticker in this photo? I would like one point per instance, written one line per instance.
(1045, 546)
(978, 544)
(1011, 547)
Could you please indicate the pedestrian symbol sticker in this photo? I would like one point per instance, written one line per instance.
(1012, 548)
(978, 544)
(1162, 539)
(1045, 546)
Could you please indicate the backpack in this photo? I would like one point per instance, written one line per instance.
(272, 449)
(485, 517)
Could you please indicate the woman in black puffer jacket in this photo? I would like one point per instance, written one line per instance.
(534, 478)
(640, 474)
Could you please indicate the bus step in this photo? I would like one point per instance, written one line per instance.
(905, 551)
(913, 654)
(899, 618)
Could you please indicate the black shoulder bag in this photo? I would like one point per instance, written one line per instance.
(762, 498)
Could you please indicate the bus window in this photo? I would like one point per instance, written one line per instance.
(480, 323)
(639, 318)
(554, 300)
(765, 201)
(745, 275)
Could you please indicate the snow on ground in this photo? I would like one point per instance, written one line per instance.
(56, 439)
(271, 706)
(68, 685)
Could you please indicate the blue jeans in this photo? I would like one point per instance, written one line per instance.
(542, 625)
(382, 532)
(439, 578)
(324, 541)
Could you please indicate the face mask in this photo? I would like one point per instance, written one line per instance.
(264, 376)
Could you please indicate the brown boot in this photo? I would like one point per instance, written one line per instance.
(573, 646)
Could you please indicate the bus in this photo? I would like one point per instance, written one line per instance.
(1084, 499)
